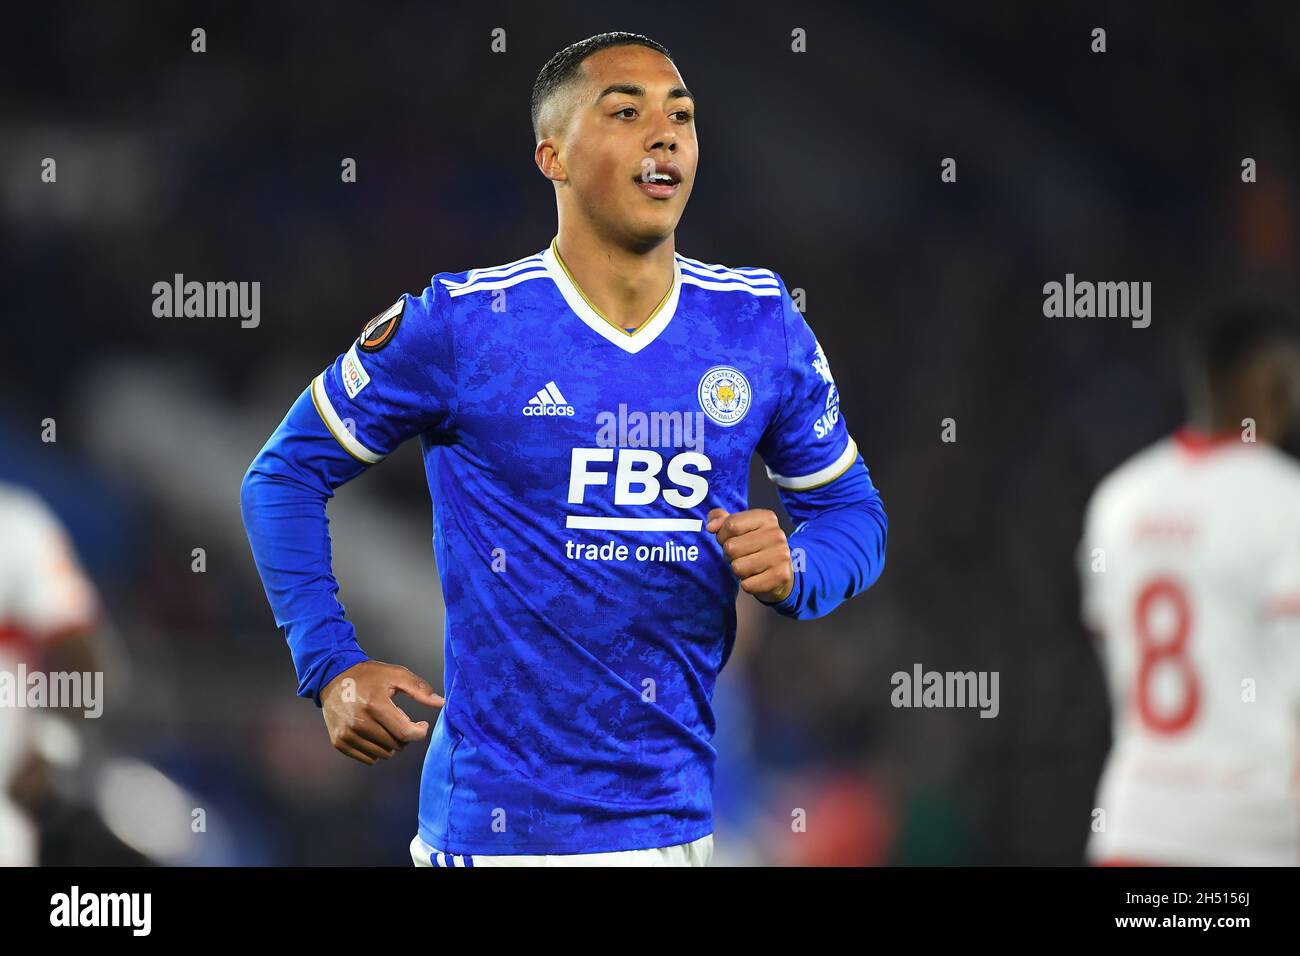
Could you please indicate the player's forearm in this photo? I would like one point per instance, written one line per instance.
(283, 500)
(838, 543)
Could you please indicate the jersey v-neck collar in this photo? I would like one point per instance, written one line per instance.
(582, 307)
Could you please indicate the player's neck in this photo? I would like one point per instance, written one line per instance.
(625, 286)
(1211, 422)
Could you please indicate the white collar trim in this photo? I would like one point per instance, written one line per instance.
(631, 342)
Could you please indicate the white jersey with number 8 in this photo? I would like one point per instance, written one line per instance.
(1190, 579)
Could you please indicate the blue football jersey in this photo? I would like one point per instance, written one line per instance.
(572, 464)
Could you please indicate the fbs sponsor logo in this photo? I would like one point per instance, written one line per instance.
(548, 402)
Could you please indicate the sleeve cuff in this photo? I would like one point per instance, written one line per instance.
(337, 665)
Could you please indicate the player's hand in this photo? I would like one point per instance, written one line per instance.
(758, 550)
(362, 719)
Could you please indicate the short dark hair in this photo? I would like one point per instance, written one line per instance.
(563, 67)
(1233, 332)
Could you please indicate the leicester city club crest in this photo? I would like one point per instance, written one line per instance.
(724, 394)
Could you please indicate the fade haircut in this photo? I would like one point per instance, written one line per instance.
(566, 66)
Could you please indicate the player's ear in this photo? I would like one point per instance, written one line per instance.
(548, 160)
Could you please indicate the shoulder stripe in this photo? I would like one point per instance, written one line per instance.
(729, 285)
(716, 267)
(491, 272)
(325, 409)
(757, 282)
(823, 476)
(530, 272)
(495, 272)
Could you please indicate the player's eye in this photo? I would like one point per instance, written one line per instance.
(626, 109)
(684, 114)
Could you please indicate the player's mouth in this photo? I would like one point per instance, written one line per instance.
(660, 182)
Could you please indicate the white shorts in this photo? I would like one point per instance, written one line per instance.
(697, 853)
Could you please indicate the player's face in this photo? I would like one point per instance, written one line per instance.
(630, 123)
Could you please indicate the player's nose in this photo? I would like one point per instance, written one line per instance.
(662, 138)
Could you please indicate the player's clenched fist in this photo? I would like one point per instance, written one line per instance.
(362, 719)
(758, 550)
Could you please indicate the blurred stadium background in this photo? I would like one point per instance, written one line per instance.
(824, 166)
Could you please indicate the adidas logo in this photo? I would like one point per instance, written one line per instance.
(547, 402)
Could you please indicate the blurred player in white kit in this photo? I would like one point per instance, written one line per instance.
(46, 604)
(1190, 567)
